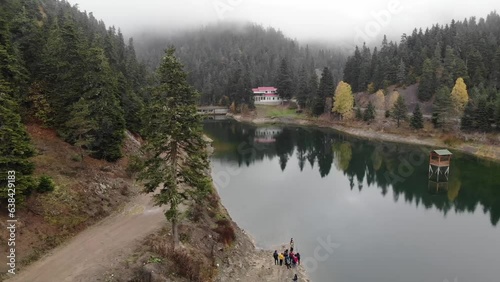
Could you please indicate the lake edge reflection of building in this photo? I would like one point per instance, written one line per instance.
(267, 134)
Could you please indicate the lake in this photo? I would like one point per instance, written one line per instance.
(359, 210)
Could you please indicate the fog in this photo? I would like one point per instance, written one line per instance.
(350, 22)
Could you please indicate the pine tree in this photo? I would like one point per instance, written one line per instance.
(81, 125)
(284, 81)
(177, 161)
(359, 114)
(344, 100)
(302, 88)
(15, 150)
(467, 120)
(442, 107)
(101, 93)
(417, 120)
(325, 89)
(427, 84)
(369, 113)
(481, 115)
(401, 72)
(399, 112)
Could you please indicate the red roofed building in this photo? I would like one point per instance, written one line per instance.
(266, 96)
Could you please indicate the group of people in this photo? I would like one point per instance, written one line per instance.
(290, 258)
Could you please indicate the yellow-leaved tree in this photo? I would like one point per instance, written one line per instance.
(379, 100)
(391, 100)
(459, 96)
(344, 100)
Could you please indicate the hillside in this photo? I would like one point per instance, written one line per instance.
(233, 57)
(456, 68)
(85, 192)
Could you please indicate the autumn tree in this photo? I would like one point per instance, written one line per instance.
(399, 112)
(344, 100)
(379, 100)
(177, 161)
(391, 99)
(459, 96)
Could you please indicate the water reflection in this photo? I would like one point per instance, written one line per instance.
(402, 168)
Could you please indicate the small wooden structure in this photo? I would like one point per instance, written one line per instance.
(439, 163)
(212, 110)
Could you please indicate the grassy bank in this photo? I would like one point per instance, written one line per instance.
(477, 144)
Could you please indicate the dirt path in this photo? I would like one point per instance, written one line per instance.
(90, 253)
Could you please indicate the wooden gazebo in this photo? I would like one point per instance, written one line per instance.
(439, 162)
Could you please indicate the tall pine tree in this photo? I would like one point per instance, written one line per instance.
(177, 161)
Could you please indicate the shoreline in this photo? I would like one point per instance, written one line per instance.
(479, 150)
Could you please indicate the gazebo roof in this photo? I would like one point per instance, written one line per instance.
(443, 152)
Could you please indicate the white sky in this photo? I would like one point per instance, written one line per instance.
(305, 20)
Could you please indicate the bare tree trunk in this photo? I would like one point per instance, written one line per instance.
(173, 205)
(175, 234)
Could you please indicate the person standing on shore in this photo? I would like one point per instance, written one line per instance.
(298, 258)
(281, 257)
(291, 244)
(295, 278)
(275, 256)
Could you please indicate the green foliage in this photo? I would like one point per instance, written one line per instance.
(359, 114)
(15, 151)
(369, 113)
(284, 81)
(467, 120)
(153, 259)
(481, 118)
(175, 149)
(428, 82)
(399, 112)
(442, 107)
(135, 165)
(325, 89)
(45, 184)
(417, 119)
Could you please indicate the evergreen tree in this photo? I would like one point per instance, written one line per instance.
(359, 114)
(325, 89)
(284, 81)
(481, 116)
(81, 125)
(401, 72)
(369, 113)
(177, 161)
(344, 101)
(302, 88)
(417, 120)
(399, 112)
(101, 93)
(497, 119)
(442, 107)
(467, 120)
(15, 151)
(427, 81)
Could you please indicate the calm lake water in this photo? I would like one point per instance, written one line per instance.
(358, 210)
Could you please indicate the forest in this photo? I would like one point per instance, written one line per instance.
(66, 70)
(435, 59)
(226, 60)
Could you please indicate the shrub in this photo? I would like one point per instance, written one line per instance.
(135, 165)
(46, 184)
(226, 231)
(76, 158)
(293, 105)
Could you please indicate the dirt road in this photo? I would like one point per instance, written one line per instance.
(90, 253)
